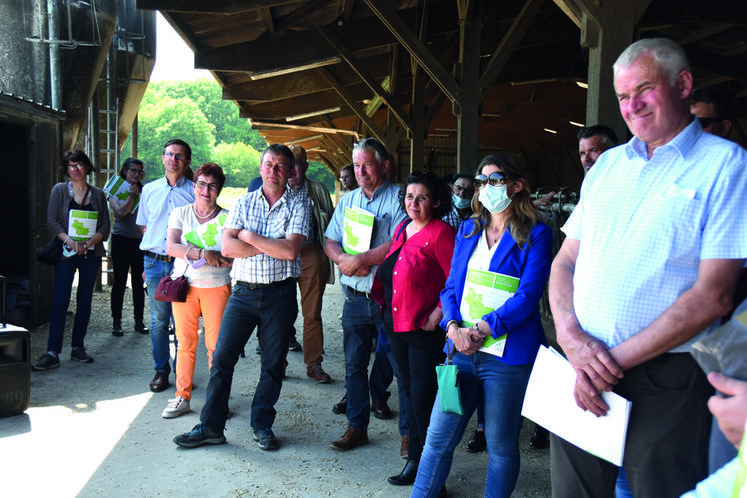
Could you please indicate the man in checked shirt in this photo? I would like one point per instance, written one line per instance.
(263, 233)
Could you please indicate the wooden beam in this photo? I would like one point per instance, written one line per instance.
(354, 106)
(211, 7)
(300, 14)
(259, 125)
(367, 78)
(407, 38)
(704, 33)
(509, 43)
(571, 10)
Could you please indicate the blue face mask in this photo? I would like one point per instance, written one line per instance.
(495, 199)
(458, 202)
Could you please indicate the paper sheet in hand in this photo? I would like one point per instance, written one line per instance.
(118, 187)
(484, 292)
(550, 403)
(81, 224)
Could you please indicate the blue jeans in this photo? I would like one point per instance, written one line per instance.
(361, 322)
(383, 371)
(482, 377)
(274, 310)
(160, 312)
(64, 273)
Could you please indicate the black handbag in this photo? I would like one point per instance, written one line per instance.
(51, 253)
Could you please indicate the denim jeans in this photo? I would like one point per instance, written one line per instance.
(275, 310)
(482, 377)
(160, 312)
(361, 322)
(64, 273)
(383, 371)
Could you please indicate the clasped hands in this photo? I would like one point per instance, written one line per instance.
(468, 340)
(596, 370)
(350, 265)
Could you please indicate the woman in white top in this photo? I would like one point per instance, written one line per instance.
(193, 238)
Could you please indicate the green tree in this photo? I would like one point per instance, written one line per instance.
(168, 118)
(240, 163)
(319, 172)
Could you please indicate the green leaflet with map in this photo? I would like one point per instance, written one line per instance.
(119, 188)
(484, 292)
(357, 230)
(81, 224)
(208, 235)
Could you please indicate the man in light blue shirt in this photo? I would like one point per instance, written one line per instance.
(361, 318)
(637, 280)
(158, 200)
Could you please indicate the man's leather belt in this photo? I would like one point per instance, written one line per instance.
(279, 283)
(367, 295)
(160, 257)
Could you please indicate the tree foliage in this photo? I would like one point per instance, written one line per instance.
(195, 111)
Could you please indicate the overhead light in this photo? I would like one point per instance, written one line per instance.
(488, 115)
(295, 69)
(312, 114)
(582, 84)
(446, 129)
(548, 130)
(580, 125)
(438, 135)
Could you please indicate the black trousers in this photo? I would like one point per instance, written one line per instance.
(417, 353)
(127, 258)
(666, 450)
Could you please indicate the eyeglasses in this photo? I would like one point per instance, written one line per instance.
(175, 157)
(138, 172)
(76, 166)
(203, 185)
(706, 122)
(494, 179)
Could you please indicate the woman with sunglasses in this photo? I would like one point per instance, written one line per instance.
(197, 256)
(125, 248)
(498, 273)
(84, 248)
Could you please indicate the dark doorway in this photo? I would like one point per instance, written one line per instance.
(17, 225)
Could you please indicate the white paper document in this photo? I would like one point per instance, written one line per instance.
(549, 402)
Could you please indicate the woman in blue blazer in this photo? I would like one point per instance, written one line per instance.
(504, 241)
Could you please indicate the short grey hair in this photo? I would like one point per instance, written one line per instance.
(668, 54)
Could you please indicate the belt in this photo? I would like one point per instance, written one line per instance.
(160, 257)
(367, 295)
(277, 283)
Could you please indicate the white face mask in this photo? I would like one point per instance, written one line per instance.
(459, 202)
(495, 199)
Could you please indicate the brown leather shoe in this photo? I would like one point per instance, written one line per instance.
(160, 382)
(404, 448)
(351, 439)
(319, 375)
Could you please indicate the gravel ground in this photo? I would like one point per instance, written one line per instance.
(96, 430)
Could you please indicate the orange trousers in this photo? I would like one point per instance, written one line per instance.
(210, 302)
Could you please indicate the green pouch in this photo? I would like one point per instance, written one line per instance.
(448, 387)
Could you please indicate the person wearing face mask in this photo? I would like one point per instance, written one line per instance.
(496, 328)
(462, 191)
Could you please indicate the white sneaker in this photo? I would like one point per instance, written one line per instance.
(176, 407)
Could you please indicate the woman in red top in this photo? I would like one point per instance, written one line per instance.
(408, 285)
